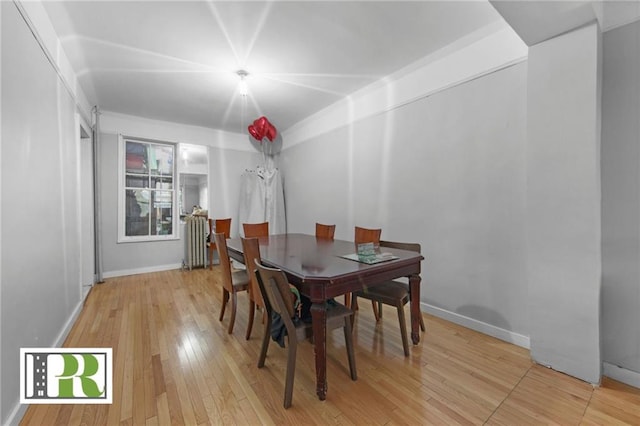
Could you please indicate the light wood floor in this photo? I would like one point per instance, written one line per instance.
(174, 363)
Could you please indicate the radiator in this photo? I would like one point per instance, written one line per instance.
(195, 253)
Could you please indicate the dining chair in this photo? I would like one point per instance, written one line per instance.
(251, 251)
(361, 236)
(393, 293)
(366, 235)
(221, 225)
(233, 282)
(325, 231)
(276, 293)
(255, 229)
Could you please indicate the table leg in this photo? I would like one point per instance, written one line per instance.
(319, 318)
(414, 288)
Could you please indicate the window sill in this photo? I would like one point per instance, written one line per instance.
(147, 239)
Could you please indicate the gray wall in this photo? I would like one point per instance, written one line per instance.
(621, 197)
(447, 171)
(40, 230)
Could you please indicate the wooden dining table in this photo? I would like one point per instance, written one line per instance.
(316, 267)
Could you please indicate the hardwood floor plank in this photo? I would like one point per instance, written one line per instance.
(174, 363)
(186, 402)
(252, 400)
(162, 408)
(119, 356)
(128, 352)
(457, 398)
(612, 414)
(90, 416)
(174, 404)
(152, 421)
(537, 400)
(76, 414)
(613, 403)
(64, 414)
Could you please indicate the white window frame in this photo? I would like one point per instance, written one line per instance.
(122, 238)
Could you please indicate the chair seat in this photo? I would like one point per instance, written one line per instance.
(240, 280)
(338, 310)
(389, 293)
(394, 293)
(335, 319)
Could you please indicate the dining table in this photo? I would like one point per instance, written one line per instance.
(319, 269)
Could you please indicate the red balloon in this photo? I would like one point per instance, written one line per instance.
(271, 132)
(262, 128)
(261, 125)
(253, 132)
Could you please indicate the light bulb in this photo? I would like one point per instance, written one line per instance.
(242, 85)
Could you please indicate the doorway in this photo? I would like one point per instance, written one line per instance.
(193, 168)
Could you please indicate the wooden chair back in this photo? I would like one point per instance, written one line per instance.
(223, 226)
(365, 235)
(251, 250)
(256, 230)
(325, 231)
(274, 286)
(225, 262)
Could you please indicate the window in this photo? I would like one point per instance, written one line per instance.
(147, 194)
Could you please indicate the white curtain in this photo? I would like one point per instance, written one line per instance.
(262, 200)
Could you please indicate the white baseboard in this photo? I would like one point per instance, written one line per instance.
(67, 326)
(482, 327)
(135, 271)
(621, 374)
(16, 415)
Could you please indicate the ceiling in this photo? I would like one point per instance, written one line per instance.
(539, 20)
(177, 60)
